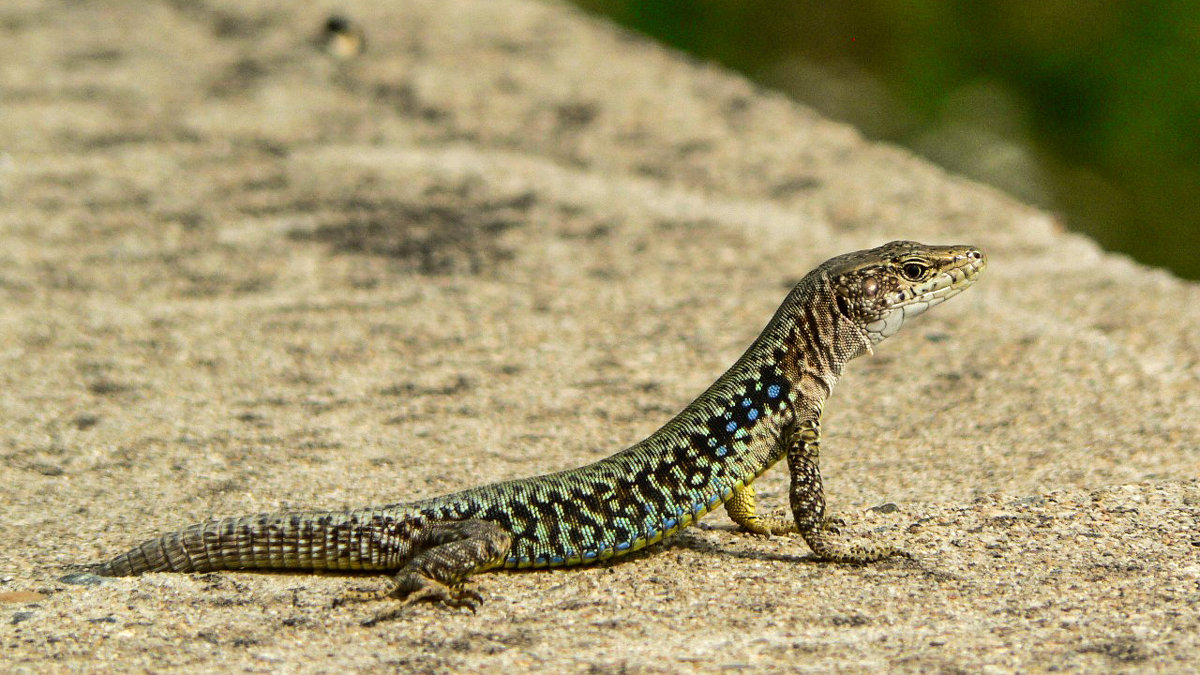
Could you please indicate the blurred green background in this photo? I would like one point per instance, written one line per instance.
(1088, 109)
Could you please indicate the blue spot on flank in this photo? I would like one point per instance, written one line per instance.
(512, 561)
(745, 403)
(699, 506)
(731, 426)
(714, 500)
(648, 508)
(622, 546)
(590, 554)
(721, 451)
(752, 414)
(773, 391)
(541, 560)
(557, 559)
(669, 523)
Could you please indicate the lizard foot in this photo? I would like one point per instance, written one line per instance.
(450, 596)
(416, 589)
(765, 526)
(833, 524)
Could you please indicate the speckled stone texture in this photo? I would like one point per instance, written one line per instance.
(238, 274)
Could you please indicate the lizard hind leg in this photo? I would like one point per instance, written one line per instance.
(445, 554)
(742, 508)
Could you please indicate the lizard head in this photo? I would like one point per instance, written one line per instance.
(880, 288)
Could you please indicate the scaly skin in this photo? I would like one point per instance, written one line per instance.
(764, 408)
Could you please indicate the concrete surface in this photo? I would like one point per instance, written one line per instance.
(239, 274)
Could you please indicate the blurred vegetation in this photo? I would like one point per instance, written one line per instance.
(1089, 109)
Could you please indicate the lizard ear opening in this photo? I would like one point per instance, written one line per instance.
(843, 305)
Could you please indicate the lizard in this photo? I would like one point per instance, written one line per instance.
(763, 409)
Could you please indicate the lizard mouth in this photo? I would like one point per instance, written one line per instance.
(961, 270)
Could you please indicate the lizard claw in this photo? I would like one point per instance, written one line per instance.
(450, 596)
(429, 591)
(461, 596)
(833, 524)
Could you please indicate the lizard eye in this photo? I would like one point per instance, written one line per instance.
(913, 271)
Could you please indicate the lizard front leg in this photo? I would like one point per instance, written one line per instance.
(445, 553)
(742, 509)
(807, 498)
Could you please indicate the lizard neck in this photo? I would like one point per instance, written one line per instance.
(817, 341)
(735, 427)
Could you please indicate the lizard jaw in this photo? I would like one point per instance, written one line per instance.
(959, 274)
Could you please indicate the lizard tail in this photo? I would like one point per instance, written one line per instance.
(275, 541)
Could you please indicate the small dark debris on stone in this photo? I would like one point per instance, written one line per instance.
(47, 469)
(793, 185)
(105, 386)
(82, 579)
(341, 37)
(460, 384)
(577, 115)
(889, 507)
(852, 620)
